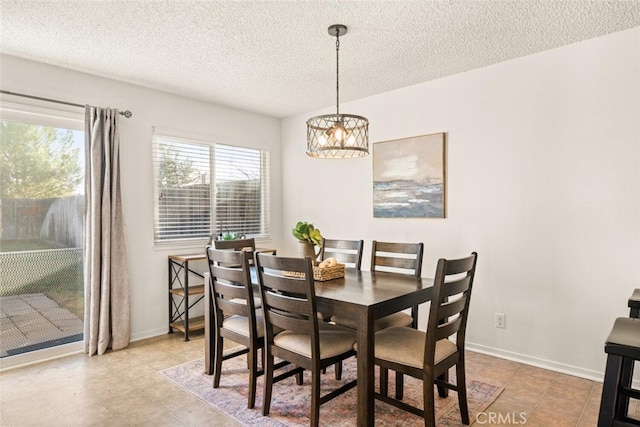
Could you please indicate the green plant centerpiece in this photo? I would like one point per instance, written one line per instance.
(309, 237)
(232, 236)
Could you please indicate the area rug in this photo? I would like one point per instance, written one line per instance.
(290, 402)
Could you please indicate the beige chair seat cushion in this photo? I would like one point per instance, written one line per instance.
(240, 324)
(406, 346)
(395, 319)
(334, 340)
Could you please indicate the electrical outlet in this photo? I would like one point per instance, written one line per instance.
(500, 320)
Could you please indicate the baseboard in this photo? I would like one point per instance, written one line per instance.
(537, 362)
(149, 334)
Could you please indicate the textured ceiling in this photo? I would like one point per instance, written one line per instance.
(276, 58)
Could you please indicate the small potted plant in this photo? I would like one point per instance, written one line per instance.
(230, 236)
(233, 236)
(309, 237)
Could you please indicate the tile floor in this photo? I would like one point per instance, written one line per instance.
(123, 388)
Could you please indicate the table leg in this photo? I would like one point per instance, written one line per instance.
(170, 276)
(209, 328)
(186, 300)
(366, 378)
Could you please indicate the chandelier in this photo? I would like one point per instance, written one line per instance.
(337, 136)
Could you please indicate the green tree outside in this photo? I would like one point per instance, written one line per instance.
(37, 162)
(175, 171)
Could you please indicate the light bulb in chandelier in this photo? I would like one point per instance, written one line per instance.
(339, 134)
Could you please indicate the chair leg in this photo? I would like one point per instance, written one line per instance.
(315, 398)
(252, 358)
(461, 382)
(299, 377)
(217, 368)
(442, 390)
(428, 397)
(609, 391)
(338, 370)
(626, 379)
(399, 386)
(414, 316)
(268, 384)
(384, 381)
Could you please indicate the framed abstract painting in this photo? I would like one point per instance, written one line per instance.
(409, 177)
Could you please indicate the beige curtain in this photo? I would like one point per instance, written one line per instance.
(106, 282)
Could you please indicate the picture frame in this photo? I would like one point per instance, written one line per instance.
(409, 177)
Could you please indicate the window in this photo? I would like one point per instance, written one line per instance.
(41, 231)
(203, 188)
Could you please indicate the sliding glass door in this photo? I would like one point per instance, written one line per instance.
(41, 230)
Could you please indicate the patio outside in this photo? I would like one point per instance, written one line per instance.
(41, 297)
(41, 233)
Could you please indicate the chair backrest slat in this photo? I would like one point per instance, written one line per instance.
(230, 308)
(456, 286)
(406, 263)
(451, 308)
(447, 329)
(289, 303)
(236, 245)
(223, 272)
(248, 245)
(287, 284)
(348, 252)
(286, 322)
(391, 256)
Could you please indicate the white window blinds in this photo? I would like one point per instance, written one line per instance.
(189, 204)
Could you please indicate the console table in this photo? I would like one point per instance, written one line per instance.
(180, 291)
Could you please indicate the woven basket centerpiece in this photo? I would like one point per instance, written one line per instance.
(322, 272)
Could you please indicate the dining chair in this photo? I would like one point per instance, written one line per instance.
(347, 252)
(404, 258)
(235, 314)
(429, 355)
(289, 303)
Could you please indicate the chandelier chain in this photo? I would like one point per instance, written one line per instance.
(337, 73)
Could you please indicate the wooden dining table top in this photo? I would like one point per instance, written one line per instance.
(370, 288)
(364, 296)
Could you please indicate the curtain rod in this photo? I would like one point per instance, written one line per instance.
(125, 113)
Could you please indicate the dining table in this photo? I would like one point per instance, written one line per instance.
(361, 295)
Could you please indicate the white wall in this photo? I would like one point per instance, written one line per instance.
(148, 265)
(543, 182)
